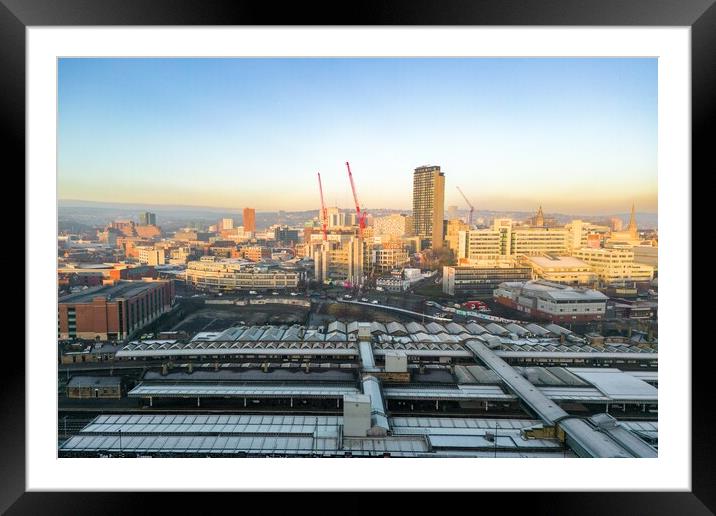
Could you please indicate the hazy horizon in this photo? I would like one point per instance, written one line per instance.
(84, 203)
(572, 135)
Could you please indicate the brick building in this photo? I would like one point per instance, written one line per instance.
(95, 387)
(113, 312)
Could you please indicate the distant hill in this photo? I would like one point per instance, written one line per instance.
(170, 217)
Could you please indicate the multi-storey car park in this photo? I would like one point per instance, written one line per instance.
(373, 389)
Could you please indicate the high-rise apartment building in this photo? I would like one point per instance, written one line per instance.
(250, 220)
(148, 219)
(429, 204)
(225, 224)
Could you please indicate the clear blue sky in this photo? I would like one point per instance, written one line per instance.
(575, 135)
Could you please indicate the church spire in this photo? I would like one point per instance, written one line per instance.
(539, 218)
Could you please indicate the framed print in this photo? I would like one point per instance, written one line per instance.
(284, 249)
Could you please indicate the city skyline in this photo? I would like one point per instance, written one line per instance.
(512, 133)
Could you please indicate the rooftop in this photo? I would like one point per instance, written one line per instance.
(94, 381)
(547, 262)
(122, 289)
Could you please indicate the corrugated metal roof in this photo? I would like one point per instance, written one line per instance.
(192, 389)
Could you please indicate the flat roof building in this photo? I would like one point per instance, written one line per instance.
(113, 312)
(615, 264)
(566, 270)
(249, 220)
(210, 273)
(479, 281)
(553, 302)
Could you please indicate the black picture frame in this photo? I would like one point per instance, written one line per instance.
(699, 15)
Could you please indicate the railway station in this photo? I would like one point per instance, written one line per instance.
(393, 389)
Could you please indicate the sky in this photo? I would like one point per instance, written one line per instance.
(572, 135)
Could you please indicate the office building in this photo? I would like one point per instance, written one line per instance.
(615, 265)
(507, 239)
(148, 219)
(226, 224)
(113, 312)
(536, 241)
(479, 281)
(453, 228)
(392, 226)
(250, 220)
(429, 204)
(546, 301)
(477, 244)
(286, 235)
(385, 259)
(150, 255)
(255, 253)
(344, 261)
(565, 270)
(647, 255)
(214, 274)
(581, 234)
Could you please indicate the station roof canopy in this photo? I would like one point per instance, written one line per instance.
(617, 384)
(331, 348)
(462, 393)
(274, 434)
(238, 390)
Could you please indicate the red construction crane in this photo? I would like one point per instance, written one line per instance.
(324, 212)
(361, 216)
(472, 208)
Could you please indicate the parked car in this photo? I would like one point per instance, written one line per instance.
(253, 292)
(375, 301)
(294, 293)
(365, 300)
(274, 293)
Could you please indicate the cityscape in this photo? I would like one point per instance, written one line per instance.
(429, 310)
